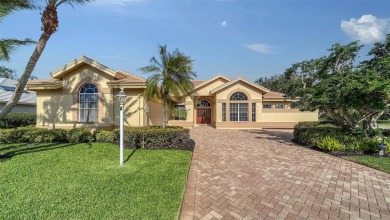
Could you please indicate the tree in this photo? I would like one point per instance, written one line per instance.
(49, 19)
(171, 79)
(7, 73)
(350, 94)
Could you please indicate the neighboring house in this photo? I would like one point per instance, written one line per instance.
(27, 102)
(83, 94)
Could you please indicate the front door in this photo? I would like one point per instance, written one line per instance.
(203, 116)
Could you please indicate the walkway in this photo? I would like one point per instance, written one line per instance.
(262, 175)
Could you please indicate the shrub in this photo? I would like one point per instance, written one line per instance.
(331, 144)
(18, 119)
(156, 138)
(105, 136)
(32, 135)
(307, 133)
(79, 135)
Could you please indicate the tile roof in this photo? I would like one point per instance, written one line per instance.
(27, 98)
(274, 95)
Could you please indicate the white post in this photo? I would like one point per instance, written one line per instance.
(121, 134)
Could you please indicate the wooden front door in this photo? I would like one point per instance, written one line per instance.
(203, 116)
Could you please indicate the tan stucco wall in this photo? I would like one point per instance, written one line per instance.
(287, 116)
(133, 109)
(53, 107)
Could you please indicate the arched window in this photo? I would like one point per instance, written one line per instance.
(88, 103)
(238, 96)
(203, 103)
(238, 111)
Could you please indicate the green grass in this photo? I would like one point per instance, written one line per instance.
(379, 163)
(85, 181)
(383, 122)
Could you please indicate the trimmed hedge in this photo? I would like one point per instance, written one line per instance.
(145, 137)
(18, 119)
(79, 135)
(32, 135)
(307, 133)
(43, 135)
(155, 137)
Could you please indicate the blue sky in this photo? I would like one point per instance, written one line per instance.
(235, 38)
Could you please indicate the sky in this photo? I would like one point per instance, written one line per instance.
(242, 38)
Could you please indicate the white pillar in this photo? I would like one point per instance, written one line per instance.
(121, 134)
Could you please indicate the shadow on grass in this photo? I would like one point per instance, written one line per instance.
(21, 149)
(131, 154)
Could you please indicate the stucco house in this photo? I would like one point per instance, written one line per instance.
(27, 102)
(82, 93)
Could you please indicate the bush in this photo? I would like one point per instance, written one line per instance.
(32, 135)
(156, 137)
(104, 136)
(331, 144)
(18, 119)
(308, 133)
(79, 135)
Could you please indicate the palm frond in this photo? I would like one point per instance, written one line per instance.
(7, 46)
(8, 6)
(72, 3)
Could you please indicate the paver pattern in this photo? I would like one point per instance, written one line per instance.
(261, 174)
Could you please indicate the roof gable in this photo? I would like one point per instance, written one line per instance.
(60, 72)
(206, 82)
(258, 87)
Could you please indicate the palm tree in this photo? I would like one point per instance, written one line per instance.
(49, 21)
(172, 78)
(9, 45)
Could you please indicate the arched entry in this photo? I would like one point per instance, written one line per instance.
(203, 112)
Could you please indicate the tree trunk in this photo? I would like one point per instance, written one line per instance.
(26, 75)
(164, 113)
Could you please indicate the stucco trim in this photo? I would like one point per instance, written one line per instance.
(261, 88)
(58, 73)
(211, 80)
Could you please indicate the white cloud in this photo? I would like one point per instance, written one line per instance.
(368, 29)
(259, 48)
(223, 23)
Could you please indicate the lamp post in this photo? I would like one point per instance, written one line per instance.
(121, 98)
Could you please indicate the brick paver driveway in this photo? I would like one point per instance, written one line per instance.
(262, 175)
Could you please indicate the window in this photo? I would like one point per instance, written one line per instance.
(223, 111)
(203, 103)
(179, 112)
(238, 96)
(88, 103)
(267, 106)
(279, 105)
(253, 111)
(238, 111)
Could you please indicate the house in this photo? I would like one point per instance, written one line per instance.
(27, 102)
(82, 93)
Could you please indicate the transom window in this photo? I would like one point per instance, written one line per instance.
(267, 106)
(203, 103)
(88, 103)
(238, 96)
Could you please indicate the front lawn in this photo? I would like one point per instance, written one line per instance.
(85, 181)
(380, 163)
(383, 123)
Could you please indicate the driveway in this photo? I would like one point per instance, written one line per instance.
(261, 174)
